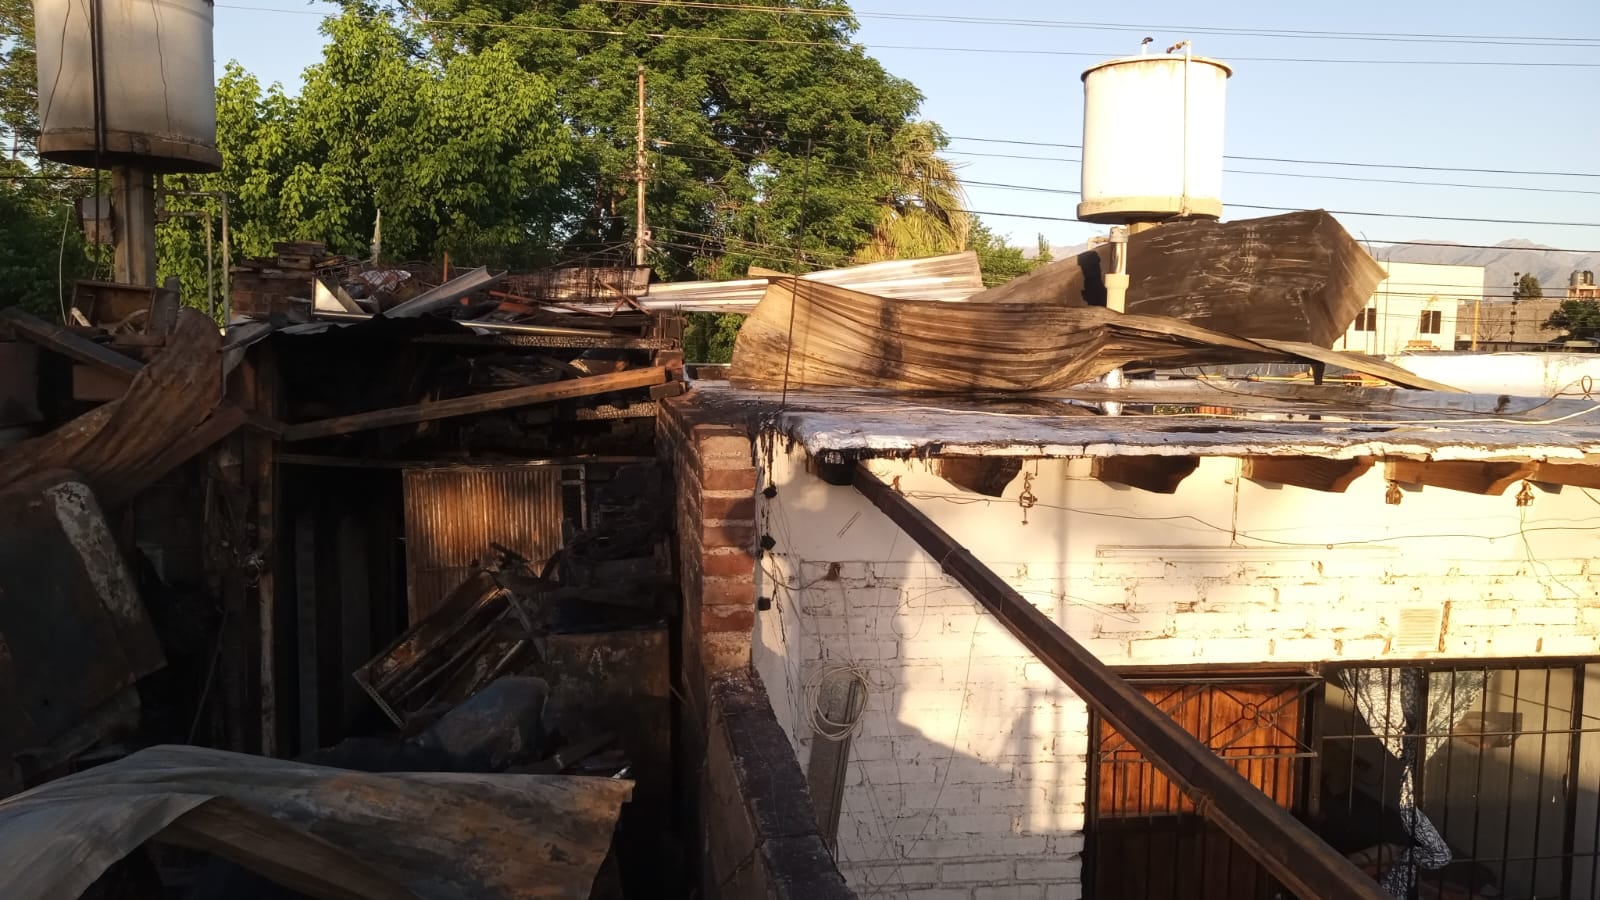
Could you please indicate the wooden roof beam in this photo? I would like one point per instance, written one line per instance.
(511, 398)
(1313, 472)
(1568, 474)
(1471, 476)
(1157, 474)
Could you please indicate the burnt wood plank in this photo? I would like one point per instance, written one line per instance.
(1157, 474)
(1471, 476)
(1314, 472)
(75, 347)
(479, 403)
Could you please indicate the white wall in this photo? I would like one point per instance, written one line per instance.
(1406, 291)
(1517, 374)
(969, 775)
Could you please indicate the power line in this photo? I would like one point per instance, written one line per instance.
(1312, 162)
(616, 33)
(1339, 212)
(1286, 33)
(1008, 51)
(1342, 212)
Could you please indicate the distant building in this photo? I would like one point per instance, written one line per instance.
(1416, 307)
(1581, 286)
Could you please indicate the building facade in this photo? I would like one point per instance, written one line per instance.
(1415, 307)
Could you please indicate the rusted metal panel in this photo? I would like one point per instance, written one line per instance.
(73, 631)
(454, 514)
(329, 833)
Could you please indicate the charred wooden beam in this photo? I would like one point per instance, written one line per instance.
(1158, 474)
(1472, 476)
(1569, 474)
(1314, 472)
(1282, 844)
(512, 398)
(75, 347)
(987, 475)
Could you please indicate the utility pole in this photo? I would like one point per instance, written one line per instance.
(1516, 292)
(641, 234)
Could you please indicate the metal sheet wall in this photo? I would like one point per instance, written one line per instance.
(453, 514)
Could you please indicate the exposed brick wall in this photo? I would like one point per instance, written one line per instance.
(761, 837)
(755, 818)
(714, 474)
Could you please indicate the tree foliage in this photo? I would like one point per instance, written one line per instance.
(502, 133)
(1528, 288)
(41, 248)
(1580, 319)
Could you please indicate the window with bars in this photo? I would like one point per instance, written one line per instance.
(1432, 321)
(1367, 319)
(1444, 782)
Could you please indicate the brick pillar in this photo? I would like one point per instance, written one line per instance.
(714, 473)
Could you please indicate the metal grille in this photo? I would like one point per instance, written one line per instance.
(1504, 767)
(1506, 770)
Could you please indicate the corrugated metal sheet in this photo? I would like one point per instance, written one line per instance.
(951, 277)
(453, 514)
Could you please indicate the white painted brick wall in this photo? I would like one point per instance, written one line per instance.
(968, 778)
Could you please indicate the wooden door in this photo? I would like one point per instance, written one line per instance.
(1147, 842)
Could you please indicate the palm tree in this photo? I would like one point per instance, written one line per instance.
(922, 206)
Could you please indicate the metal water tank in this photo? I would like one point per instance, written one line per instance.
(157, 83)
(1152, 138)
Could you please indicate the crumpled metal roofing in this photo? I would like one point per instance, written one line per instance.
(327, 832)
(951, 277)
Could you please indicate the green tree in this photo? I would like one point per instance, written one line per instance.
(709, 337)
(1527, 289)
(922, 208)
(1580, 319)
(769, 154)
(41, 247)
(999, 261)
(19, 107)
(463, 153)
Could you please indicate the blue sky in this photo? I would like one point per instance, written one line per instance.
(1544, 118)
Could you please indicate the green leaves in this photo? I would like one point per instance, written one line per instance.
(1580, 319)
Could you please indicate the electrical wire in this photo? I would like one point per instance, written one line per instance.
(1277, 33)
(61, 268)
(1310, 162)
(1008, 51)
(1073, 193)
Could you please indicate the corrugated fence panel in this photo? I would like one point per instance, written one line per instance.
(453, 514)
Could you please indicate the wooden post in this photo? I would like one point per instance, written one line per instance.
(264, 451)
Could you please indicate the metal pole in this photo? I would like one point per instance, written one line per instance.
(1477, 306)
(227, 265)
(641, 235)
(133, 212)
(211, 297)
(1116, 282)
(1284, 846)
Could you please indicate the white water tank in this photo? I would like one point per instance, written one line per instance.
(159, 86)
(1152, 138)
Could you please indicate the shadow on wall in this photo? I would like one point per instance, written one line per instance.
(967, 764)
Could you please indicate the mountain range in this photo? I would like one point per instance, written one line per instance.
(1501, 262)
